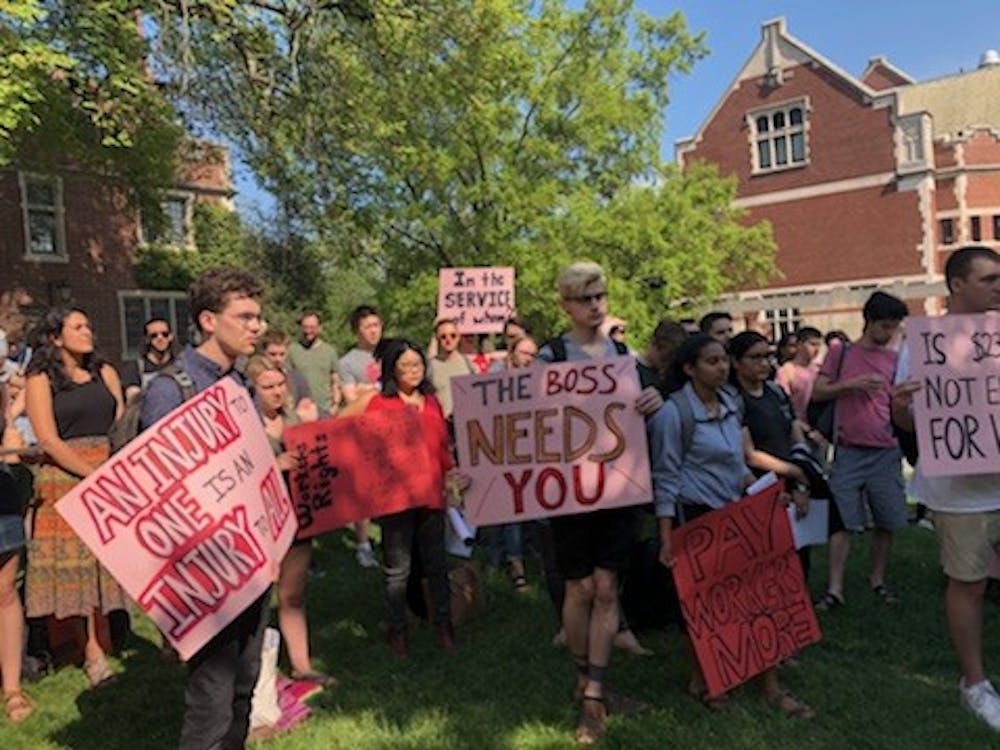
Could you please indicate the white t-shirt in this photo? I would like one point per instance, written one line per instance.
(970, 493)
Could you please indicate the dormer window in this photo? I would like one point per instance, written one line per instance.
(779, 137)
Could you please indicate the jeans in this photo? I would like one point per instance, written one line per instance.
(220, 683)
(398, 533)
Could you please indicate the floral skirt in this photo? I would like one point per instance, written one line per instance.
(62, 577)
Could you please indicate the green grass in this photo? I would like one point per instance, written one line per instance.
(881, 678)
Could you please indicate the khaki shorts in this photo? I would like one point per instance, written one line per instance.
(968, 543)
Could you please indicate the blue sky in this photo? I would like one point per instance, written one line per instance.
(923, 38)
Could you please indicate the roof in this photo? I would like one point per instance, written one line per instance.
(958, 102)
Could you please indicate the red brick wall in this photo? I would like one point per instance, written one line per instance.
(845, 139)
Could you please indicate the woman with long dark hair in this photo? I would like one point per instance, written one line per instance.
(405, 386)
(72, 399)
(700, 467)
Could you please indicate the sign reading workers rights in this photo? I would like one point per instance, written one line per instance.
(554, 440)
(479, 300)
(742, 592)
(192, 517)
(956, 360)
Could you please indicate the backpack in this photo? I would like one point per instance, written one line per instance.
(688, 422)
(125, 429)
(558, 347)
(820, 414)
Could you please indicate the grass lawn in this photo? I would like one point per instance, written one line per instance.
(883, 677)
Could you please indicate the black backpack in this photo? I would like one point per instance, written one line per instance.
(558, 347)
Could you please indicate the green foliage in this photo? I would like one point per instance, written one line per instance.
(402, 137)
(75, 90)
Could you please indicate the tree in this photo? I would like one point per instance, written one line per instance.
(414, 135)
(75, 90)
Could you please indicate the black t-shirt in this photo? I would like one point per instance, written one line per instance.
(650, 376)
(132, 376)
(769, 419)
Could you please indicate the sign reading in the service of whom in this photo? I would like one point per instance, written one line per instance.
(479, 300)
(353, 468)
(956, 360)
(742, 592)
(192, 517)
(551, 441)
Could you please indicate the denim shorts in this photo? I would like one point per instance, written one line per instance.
(11, 533)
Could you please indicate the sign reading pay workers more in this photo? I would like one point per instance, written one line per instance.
(956, 360)
(554, 440)
(192, 517)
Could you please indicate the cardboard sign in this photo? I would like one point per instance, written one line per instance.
(192, 517)
(553, 440)
(742, 592)
(956, 359)
(479, 300)
(353, 468)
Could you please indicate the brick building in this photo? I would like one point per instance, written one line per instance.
(867, 181)
(70, 239)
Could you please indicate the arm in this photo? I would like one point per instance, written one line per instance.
(902, 404)
(358, 405)
(111, 381)
(666, 459)
(43, 422)
(763, 461)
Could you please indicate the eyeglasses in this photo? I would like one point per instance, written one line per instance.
(586, 299)
(159, 335)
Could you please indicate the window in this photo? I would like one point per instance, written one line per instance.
(976, 229)
(782, 320)
(41, 202)
(779, 138)
(947, 231)
(135, 308)
(174, 225)
(996, 227)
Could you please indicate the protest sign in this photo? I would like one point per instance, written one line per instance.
(192, 517)
(352, 468)
(479, 300)
(956, 360)
(742, 592)
(551, 441)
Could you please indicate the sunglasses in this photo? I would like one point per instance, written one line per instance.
(159, 335)
(586, 299)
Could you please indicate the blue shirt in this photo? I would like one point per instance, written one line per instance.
(164, 394)
(712, 471)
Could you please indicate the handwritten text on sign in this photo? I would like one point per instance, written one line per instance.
(956, 360)
(479, 300)
(742, 592)
(192, 517)
(352, 468)
(550, 441)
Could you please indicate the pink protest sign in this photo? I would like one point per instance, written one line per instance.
(479, 300)
(192, 517)
(553, 440)
(956, 360)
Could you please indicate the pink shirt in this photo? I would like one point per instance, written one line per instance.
(863, 418)
(797, 381)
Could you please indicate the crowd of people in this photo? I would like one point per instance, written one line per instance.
(722, 408)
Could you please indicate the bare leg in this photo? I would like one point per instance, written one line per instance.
(603, 626)
(963, 606)
(11, 625)
(577, 605)
(292, 606)
(840, 546)
(881, 547)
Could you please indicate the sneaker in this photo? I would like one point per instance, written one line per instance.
(926, 523)
(365, 556)
(982, 700)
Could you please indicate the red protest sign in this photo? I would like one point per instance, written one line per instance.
(191, 517)
(359, 467)
(742, 592)
(555, 440)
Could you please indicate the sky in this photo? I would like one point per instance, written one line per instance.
(924, 38)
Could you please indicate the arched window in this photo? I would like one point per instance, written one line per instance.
(779, 137)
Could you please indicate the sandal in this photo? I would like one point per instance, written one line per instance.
(889, 596)
(592, 724)
(17, 706)
(718, 704)
(320, 678)
(790, 706)
(99, 672)
(829, 601)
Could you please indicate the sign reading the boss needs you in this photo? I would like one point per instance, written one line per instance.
(552, 440)
(192, 517)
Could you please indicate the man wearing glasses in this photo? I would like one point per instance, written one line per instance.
(447, 363)
(157, 353)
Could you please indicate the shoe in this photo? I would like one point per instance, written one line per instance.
(99, 672)
(982, 700)
(926, 523)
(399, 642)
(365, 555)
(445, 637)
